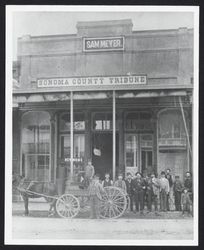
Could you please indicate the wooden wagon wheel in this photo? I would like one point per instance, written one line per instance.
(67, 206)
(113, 203)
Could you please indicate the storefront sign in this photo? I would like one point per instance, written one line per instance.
(74, 159)
(103, 44)
(91, 81)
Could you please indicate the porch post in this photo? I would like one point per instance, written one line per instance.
(71, 135)
(114, 136)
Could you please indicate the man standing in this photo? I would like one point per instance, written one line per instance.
(95, 191)
(138, 186)
(178, 188)
(155, 191)
(128, 183)
(188, 184)
(149, 193)
(169, 199)
(89, 173)
(120, 183)
(107, 182)
(164, 190)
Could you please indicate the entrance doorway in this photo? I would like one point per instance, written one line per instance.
(139, 153)
(146, 161)
(102, 153)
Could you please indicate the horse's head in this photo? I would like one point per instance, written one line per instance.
(17, 180)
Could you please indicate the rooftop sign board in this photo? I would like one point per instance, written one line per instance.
(92, 81)
(103, 44)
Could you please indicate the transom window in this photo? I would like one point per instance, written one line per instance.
(138, 121)
(79, 122)
(103, 121)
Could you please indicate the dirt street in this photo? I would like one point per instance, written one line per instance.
(130, 229)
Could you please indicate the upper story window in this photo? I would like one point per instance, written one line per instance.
(138, 121)
(171, 125)
(79, 122)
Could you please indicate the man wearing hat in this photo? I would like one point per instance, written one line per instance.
(120, 183)
(95, 191)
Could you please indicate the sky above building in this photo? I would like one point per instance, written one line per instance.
(52, 23)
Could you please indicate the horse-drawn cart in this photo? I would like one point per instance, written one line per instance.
(112, 204)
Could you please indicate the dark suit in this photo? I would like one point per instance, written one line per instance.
(178, 188)
(138, 186)
(129, 192)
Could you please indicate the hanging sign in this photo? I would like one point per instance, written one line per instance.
(103, 44)
(92, 81)
(97, 152)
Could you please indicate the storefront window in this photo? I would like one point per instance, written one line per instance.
(36, 146)
(78, 154)
(131, 150)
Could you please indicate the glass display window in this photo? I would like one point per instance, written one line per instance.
(36, 146)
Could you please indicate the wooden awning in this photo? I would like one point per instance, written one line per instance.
(60, 97)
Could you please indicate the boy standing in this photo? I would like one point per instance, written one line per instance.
(186, 201)
(89, 173)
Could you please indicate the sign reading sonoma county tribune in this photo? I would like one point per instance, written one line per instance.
(91, 81)
(101, 44)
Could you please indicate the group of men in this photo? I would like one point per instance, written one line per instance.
(143, 190)
(151, 190)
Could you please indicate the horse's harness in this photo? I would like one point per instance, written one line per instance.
(26, 190)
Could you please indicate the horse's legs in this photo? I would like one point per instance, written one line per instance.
(25, 199)
(52, 207)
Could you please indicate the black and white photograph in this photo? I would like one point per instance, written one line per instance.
(101, 125)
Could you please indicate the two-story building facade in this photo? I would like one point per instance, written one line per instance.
(119, 97)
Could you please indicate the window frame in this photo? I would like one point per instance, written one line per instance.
(106, 114)
(36, 154)
(75, 130)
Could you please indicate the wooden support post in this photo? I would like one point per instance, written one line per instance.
(114, 136)
(185, 126)
(88, 150)
(71, 136)
(52, 146)
(121, 141)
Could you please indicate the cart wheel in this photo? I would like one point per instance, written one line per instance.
(113, 203)
(67, 206)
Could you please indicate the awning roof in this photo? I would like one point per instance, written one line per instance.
(55, 97)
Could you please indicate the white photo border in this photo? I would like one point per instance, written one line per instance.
(10, 9)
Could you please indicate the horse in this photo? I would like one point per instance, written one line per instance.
(31, 189)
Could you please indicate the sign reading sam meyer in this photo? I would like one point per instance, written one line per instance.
(92, 81)
(103, 44)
